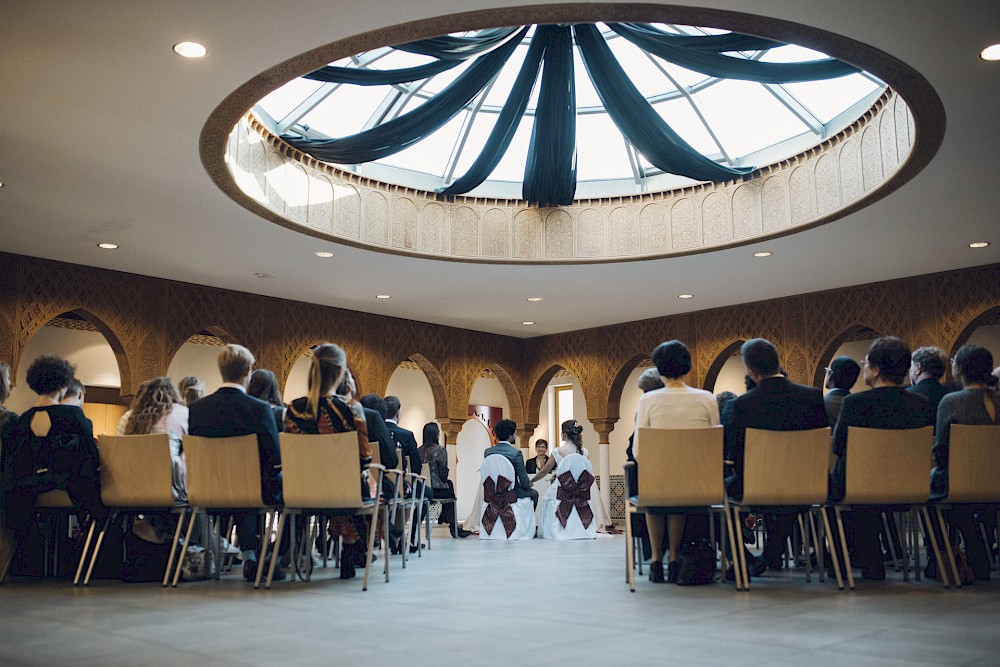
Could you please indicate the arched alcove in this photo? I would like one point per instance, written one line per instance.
(723, 374)
(624, 397)
(85, 341)
(983, 330)
(853, 342)
(198, 356)
(412, 386)
(515, 409)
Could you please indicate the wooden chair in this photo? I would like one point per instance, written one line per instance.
(973, 478)
(888, 467)
(786, 469)
(679, 468)
(321, 477)
(136, 477)
(223, 475)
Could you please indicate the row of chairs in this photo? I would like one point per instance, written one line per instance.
(320, 479)
(885, 469)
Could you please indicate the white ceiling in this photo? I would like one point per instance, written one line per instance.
(99, 142)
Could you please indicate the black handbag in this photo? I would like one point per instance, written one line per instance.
(697, 563)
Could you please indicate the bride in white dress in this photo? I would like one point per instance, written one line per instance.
(572, 438)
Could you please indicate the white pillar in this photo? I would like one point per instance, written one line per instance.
(605, 470)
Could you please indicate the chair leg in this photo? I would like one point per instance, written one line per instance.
(739, 557)
(83, 552)
(845, 551)
(629, 551)
(948, 547)
(942, 566)
(817, 544)
(274, 555)
(724, 543)
(371, 542)
(912, 529)
(187, 541)
(265, 545)
(805, 547)
(173, 548)
(385, 541)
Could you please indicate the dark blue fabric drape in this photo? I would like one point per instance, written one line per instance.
(550, 173)
(402, 132)
(507, 122)
(637, 120)
(713, 63)
(449, 47)
(377, 77)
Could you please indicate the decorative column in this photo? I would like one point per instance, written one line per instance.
(604, 428)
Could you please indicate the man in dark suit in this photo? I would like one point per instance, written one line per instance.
(927, 366)
(840, 378)
(504, 431)
(231, 412)
(775, 404)
(411, 457)
(886, 405)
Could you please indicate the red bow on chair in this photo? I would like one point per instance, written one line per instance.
(574, 493)
(499, 497)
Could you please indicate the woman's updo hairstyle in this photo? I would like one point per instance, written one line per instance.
(327, 362)
(574, 433)
(672, 359)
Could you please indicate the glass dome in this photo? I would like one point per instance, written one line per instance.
(550, 114)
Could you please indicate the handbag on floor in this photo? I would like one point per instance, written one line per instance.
(697, 563)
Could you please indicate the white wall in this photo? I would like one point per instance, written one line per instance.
(489, 391)
(731, 376)
(297, 384)
(89, 351)
(626, 424)
(473, 440)
(988, 337)
(201, 361)
(855, 350)
(416, 398)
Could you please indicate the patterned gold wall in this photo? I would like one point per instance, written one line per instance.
(146, 320)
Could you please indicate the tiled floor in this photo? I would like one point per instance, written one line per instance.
(484, 602)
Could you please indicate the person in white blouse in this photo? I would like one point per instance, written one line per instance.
(676, 405)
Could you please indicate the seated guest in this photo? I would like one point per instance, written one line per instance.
(840, 378)
(323, 412)
(504, 432)
(157, 408)
(264, 385)
(774, 404)
(541, 457)
(231, 412)
(5, 386)
(191, 389)
(886, 405)
(378, 431)
(434, 456)
(403, 438)
(723, 398)
(676, 405)
(61, 430)
(975, 405)
(927, 366)
(75, 394)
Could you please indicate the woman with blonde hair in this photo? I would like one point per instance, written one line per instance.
(322, 411)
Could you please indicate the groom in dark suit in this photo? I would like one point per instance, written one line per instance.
(504, 431)
(231, 412)
(775, 404)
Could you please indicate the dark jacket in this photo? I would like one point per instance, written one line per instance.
(407, 443)
(377, 432)
(933, 391)
(230, 412)
(522, 485)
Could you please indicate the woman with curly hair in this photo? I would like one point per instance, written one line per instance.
(157, 408)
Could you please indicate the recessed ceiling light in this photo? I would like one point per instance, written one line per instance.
(1, 184)
(323, 253)
(190, 50)
(685, 296)
(991, 52)
(979, 244)
(383, 296)
(527, 323)
(762, 253)
(107, 246)
(534, 299)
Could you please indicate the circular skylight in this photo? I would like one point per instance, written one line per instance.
(555, 113)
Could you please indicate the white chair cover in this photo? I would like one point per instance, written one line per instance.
(551, 526)
(497, 474)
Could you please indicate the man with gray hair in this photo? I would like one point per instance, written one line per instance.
(927, 366)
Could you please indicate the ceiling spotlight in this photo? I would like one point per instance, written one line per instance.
(991, 53)
(762, 253)
(383, 296)
(323, 253)
(528, 323)
(534, 299)
(107, 246)
(685, 296)
(979, 244)
(190, 50)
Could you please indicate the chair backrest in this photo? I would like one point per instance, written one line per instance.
(786, 467)
(223, 473)
(888, 466)
(55, 499)
(496, 465)
(576, 464)
(974, 464)
(136, 470)
(373, 447)
(680, 467)
(320, 471)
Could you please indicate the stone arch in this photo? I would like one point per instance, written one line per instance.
(510, 389)
(712, 374)
(618, 384)
(292, 355)
(174, 343)
(125, 379)
(989, 315)
(436, 381)
(827, 350)
(538, 390)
